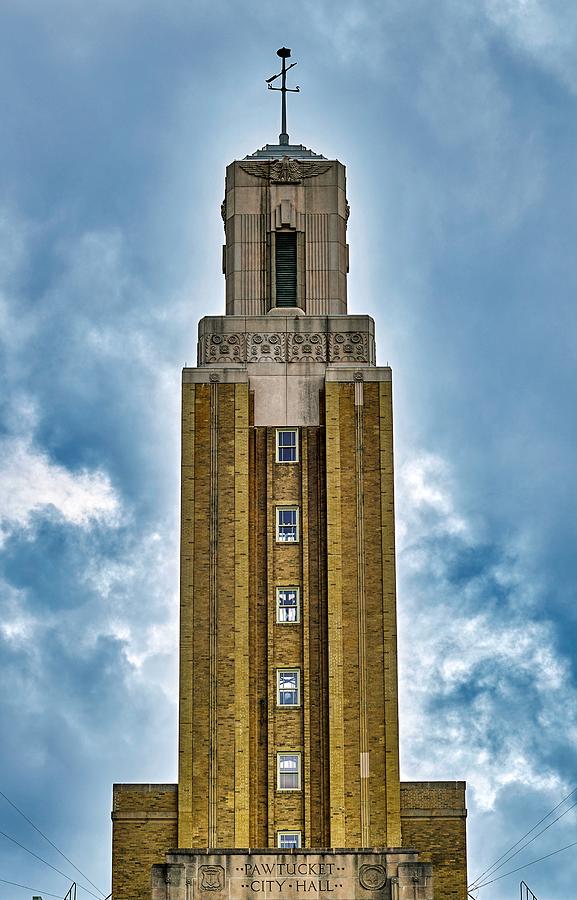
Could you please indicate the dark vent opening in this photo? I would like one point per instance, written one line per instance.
(286, 269)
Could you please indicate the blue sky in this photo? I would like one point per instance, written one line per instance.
(457, 123)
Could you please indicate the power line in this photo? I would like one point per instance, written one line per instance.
(494, 868)
(46, 863)
(27, 888)
(534, 838)
(30, 822)
(526, 866)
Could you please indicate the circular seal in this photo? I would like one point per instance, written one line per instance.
(373, 878)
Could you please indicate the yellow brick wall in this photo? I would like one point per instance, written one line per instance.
(361, 601)
(345, 566)
(433, 820)
(144, 828)
(214, 738)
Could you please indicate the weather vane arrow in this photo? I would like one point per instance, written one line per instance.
(284, 54)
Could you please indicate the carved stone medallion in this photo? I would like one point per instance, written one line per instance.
(211, 878)
(373, 878)
(216, 348)
(266, 347)
(349, 346)
(307, 346)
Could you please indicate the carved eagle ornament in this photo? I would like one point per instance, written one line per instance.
(285, 170)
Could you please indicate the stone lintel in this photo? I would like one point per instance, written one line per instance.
(215, 373)
(353, 373)
(143, 815)
(428, 813)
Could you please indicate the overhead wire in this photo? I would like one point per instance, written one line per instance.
(526, 866)
(494, 867)
(26, 887)
(534, 838)
(52, 844)
(46, 863)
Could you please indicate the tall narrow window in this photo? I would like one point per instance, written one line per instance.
(287, 445)
(288, 687)
(287, 524)
(286, 268)
(288, 605)
(288, 771)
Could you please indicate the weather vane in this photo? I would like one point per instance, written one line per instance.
(284, 54)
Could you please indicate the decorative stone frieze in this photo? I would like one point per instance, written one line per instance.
(255, 347)
(307, 346)
(219, 348)
(349, 346)
(266, 347)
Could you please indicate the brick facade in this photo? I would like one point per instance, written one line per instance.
(263, 368)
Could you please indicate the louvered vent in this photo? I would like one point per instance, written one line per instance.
(286, 269)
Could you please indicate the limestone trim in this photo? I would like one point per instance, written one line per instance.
(143, 816)
(426, 813)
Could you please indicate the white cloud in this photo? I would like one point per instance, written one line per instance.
(30, 483)
(480, 671)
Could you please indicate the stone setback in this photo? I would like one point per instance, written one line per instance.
(280, 875)
(433, 819)
(144, 825)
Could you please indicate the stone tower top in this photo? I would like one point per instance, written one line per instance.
(285, 218)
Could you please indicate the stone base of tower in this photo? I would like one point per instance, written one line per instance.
(145, 829)
(377, 874)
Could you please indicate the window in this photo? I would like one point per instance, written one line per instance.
(286, 268)
(288, 840)
(288, 771)
(287, 524)
(288, 687)
(287, 445)
(288, 608)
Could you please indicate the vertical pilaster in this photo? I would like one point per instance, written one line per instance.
(271, 609)
(213, 623)
(241, 619)
(186, 704)
(335, 620)
(306, 638)
(364, 758)
(393, 796)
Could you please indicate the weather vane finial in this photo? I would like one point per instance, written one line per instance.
(284, 53)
